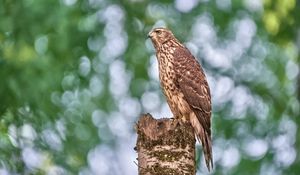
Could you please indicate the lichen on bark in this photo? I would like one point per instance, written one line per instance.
(165, 147)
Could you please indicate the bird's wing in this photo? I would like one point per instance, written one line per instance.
(192, 83)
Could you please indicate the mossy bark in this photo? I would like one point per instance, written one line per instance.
(165, 147)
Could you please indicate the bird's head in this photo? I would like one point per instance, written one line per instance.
(159, 36)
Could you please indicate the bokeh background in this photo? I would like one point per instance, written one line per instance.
(75, 76)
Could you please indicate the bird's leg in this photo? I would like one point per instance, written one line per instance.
(183, 120)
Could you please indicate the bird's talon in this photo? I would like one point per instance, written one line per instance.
(175, 122)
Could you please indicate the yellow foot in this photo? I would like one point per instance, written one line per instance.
(175, 121)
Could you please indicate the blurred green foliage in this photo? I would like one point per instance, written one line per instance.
(75, 77)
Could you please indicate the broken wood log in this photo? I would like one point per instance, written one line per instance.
(165, 147)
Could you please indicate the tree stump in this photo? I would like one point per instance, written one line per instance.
(165, 147)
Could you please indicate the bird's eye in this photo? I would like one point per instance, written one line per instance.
(158, 31)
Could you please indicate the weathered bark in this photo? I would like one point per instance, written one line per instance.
(165, 147)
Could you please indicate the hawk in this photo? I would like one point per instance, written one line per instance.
(185, 86)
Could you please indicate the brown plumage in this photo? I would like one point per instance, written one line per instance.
(184, 85)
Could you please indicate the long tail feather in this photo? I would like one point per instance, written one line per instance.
(205, 138)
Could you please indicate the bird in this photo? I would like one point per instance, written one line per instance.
(185, 86)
